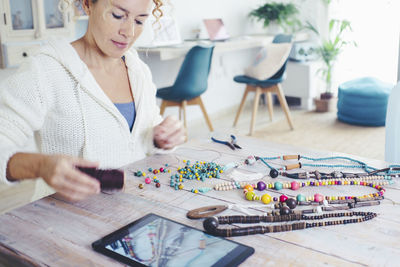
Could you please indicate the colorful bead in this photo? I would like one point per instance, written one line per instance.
(141, 186)
(250, 195)
(266, 199)
(283, 198)
(249, 187)
(295, 185)
(278, 185)
(261, 186)
(158, 185)
(318, 197)
(147, 180)
(301, 197)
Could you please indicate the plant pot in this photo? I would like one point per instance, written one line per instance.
(274, 28)
(325, 105)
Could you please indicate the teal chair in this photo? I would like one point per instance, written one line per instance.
(190, 83)
(269, 86)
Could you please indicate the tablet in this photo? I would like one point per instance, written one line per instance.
(157, 241)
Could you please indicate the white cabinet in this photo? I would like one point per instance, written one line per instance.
(27, 24)
(303, 81)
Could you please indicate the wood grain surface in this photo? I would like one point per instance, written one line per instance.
(53, 232)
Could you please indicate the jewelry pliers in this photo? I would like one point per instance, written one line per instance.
(232, 144)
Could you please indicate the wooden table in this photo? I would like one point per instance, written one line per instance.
(52, 232)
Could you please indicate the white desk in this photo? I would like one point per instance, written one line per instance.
(238, 43)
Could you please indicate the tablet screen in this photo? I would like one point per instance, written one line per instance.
(157, 241)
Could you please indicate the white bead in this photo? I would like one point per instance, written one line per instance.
(319, 209)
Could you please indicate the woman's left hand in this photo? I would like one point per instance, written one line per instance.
(169, 133)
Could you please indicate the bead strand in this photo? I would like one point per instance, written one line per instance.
(211, 224)
(302, 199)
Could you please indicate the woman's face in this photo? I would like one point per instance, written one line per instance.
(115, 25)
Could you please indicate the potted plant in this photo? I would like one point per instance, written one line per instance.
(284, 15)
(329, 51)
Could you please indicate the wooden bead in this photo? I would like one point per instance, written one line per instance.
(274, 173)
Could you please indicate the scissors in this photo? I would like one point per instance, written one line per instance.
(232, 144)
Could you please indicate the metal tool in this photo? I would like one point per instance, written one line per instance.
(232, 144)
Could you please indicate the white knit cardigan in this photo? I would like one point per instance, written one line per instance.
(53, 105)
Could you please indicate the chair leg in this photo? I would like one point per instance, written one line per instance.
(163, 106)
(180, 111)
(284, 105)
(255, 109)
(203, 109)
(241, 105)
(184, 104)
(270, 105)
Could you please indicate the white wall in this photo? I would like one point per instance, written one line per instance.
(376, 32)
(223, 93)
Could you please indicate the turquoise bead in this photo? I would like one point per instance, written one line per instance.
(278, 185)
(301, 197)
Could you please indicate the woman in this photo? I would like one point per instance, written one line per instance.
(75, 104)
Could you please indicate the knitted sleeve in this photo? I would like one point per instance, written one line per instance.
(154, 112)
(22, 111)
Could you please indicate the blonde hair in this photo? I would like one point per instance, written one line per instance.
(157, 12)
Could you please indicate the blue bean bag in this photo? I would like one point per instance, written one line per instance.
(363, 101)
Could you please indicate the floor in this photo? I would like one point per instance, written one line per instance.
(321, 131)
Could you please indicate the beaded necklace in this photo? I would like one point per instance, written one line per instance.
(274, 172)
(211, 224)
(286, 204)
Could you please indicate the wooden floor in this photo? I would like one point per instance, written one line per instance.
(321, 131)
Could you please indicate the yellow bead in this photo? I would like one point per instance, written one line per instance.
(266, 198)
(169, 171)
(196, 191)
(155, 177)
(180, 186)
(221, 171)
(144, 174)
(180, 180)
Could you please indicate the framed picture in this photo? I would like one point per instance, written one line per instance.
(165, 32)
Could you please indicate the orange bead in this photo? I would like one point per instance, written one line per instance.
(249, 187)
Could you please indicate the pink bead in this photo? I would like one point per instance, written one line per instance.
(295, 185)
(318, 197)
(147, 180)
(283, 198)
(161, 169)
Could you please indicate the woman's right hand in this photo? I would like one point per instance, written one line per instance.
(60, 173)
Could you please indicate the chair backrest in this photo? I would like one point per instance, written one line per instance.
(281, 38)
(192, 79)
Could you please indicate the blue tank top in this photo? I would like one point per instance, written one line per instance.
(128, 111)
